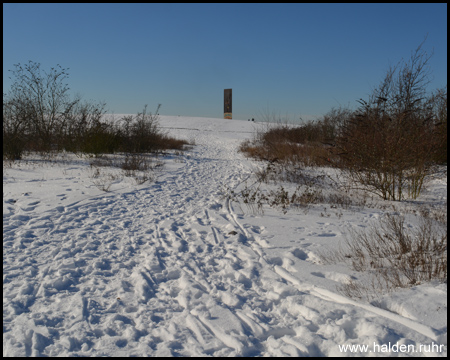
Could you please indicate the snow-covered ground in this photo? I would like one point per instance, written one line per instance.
(173, 268)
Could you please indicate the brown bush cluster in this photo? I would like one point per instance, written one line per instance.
(39, 115)
(283, 144)
(388, 146)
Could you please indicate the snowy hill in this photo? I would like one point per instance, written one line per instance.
(173, 268)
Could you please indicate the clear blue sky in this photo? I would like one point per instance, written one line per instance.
(289, 59)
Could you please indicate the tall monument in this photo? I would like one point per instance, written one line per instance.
(227, 109)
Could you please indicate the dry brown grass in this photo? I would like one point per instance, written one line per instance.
(166, 142)
(395, 255)
(283, 144)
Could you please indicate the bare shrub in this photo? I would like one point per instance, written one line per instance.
(167, 142)
(388, 144)
(44, 102)
(332, 122)
(14, 129)
(86, 132)
(438, 103)
(387, 147)
(342, 200)
(39, 115)
(394, 255)
(102, 161)
(139, 166)
(252, 149)
(136, 161)
(288, 145)
(255, 197)
(140, 133)
(355, 290)
(102, 179)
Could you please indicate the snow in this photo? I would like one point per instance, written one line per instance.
(171, 267)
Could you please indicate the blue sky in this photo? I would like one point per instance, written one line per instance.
(293, 60)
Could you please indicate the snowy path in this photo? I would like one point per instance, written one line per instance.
(172, 269)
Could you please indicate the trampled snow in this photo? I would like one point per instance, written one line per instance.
(171, 267)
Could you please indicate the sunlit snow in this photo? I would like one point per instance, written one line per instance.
(171, 267)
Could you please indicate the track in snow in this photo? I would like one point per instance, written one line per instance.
(170, 269)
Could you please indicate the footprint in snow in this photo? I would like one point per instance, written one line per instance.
(300, 254)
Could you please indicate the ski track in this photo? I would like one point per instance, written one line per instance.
(159, 272)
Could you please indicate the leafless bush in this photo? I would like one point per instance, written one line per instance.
(103, 161)
(438, 103)
(14, 129)
(389, 143)
(343, 200)
(394, 255)
(332, 123)
(140, 166)
(141, 133)
(39, 115)
(288, 146)
(255, 197)
(136, 161)
(102, 178)
(42, 100)
(86, 132)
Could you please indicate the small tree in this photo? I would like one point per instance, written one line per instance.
(438, 103)
(142, 133)
(389, 143)
(43, 100)
(332, 123)
(84, 130)
(15, 134)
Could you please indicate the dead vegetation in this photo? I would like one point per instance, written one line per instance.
(394, 255)
(389, 147)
